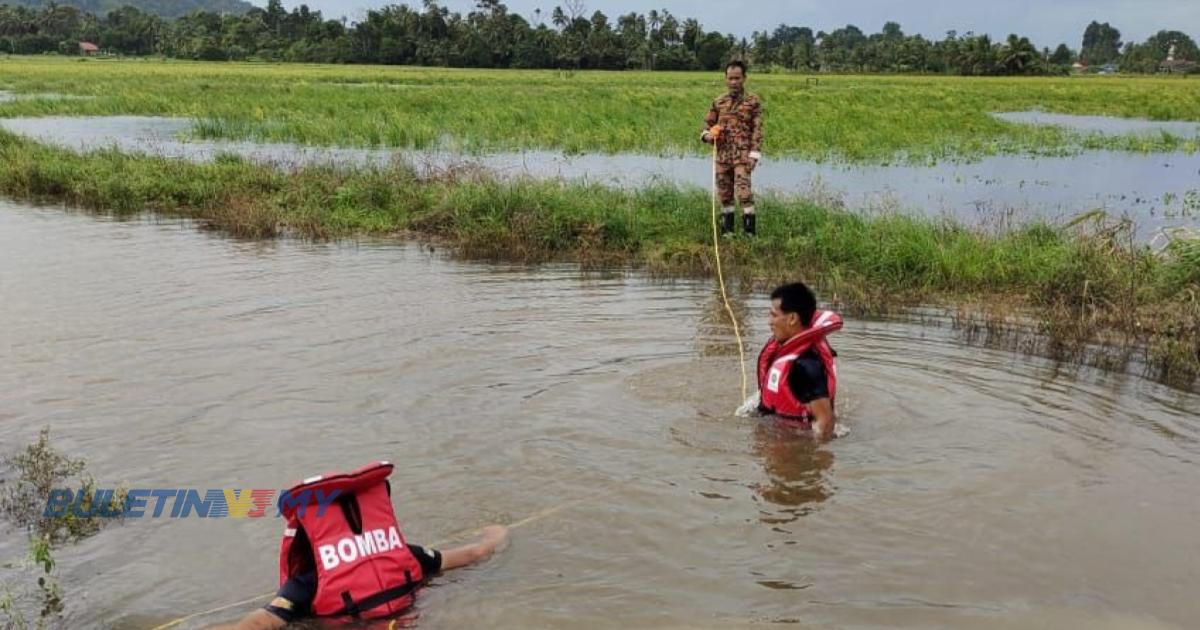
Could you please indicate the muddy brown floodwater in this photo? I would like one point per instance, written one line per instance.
(977, 488)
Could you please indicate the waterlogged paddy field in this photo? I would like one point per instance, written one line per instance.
(850, 118)
(997, 191)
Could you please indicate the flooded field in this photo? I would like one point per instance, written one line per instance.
(977, 488)
(1104, 124)
(1157, 191)
(8, 97)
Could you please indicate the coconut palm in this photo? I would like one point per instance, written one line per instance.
(1018, 55)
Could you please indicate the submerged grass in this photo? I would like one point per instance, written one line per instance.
(32, 474)
(853, 118)
(1087, 282)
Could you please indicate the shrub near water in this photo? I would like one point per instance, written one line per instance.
(31, 474)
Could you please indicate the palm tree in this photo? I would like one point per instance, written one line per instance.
(1018, 56)
(654, 21)
(670, 27)
(979, 56)
(691, 33)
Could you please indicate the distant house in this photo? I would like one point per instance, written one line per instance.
(1181, 66)
(88, 49)
(1172, 65)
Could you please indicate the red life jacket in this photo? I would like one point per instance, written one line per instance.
(776, 360)
(364, 568)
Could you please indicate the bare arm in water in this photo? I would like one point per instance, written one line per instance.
(823, 419)
(491, 538)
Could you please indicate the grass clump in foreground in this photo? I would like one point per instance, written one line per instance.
(1084, 283)
(851, 118)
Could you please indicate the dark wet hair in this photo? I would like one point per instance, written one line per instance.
(736, 63)
(796, 298)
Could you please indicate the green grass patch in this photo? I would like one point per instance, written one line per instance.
(852, 118)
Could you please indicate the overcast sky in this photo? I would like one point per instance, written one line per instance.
(1046, 22)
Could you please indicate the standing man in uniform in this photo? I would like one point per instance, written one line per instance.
(734, 123)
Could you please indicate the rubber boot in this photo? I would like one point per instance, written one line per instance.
(727, 223)
(748, 225)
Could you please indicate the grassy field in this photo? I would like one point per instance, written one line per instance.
(852, 118)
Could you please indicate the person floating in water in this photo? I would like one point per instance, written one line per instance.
(346, 557)
(797, 369)
(735, 123)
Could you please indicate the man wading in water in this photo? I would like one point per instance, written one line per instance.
(797, 371)
(734, 123)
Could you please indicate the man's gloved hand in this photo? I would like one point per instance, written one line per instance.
(713, 134)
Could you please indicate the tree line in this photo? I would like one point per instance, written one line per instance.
(164, 8)
(491, 36)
